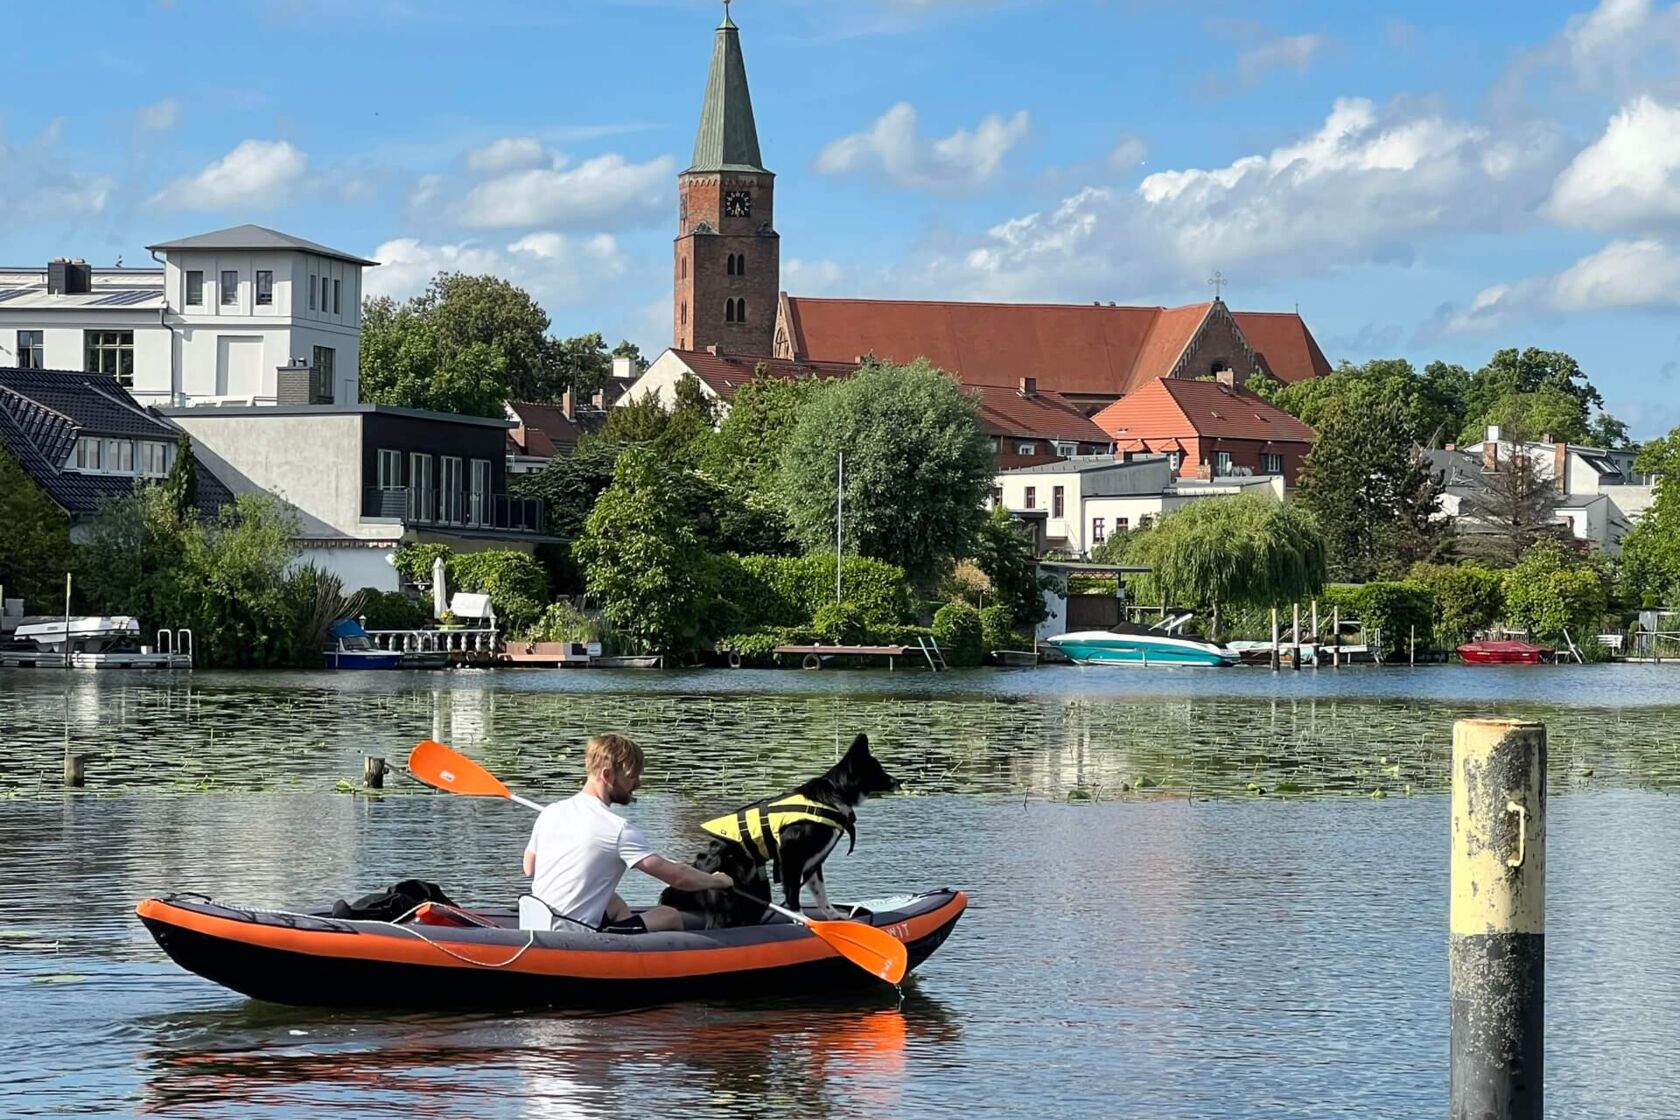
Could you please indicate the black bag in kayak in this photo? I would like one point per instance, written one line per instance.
(388, 906)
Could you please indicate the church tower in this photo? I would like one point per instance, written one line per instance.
(727, 267)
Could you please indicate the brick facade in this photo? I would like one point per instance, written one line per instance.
(724, 264)
(1218, 344)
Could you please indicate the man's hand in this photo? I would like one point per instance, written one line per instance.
(721, 881)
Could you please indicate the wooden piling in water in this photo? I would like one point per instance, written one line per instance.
(1318, 639)
(75, 770)
(1497, 943)
(1274, 640)
(1295, 638)
(373, 772)
(1335, 637)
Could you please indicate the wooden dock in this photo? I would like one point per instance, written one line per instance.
(813, 655)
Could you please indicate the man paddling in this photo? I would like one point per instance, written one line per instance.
(580, 848)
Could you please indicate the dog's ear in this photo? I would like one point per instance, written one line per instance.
(860, 745)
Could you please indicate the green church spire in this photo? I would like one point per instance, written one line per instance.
(728, 138)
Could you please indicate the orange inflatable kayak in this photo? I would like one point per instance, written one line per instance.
(448, 957)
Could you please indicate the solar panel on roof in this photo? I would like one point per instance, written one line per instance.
(11, 293)
(125, 297)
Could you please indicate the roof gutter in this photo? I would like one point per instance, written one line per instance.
(163, 321)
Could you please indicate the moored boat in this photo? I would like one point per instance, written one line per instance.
(1503, 653)
(1129, 644)
(348, 647)
(447, 957)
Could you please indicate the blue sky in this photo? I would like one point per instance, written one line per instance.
(1426, 180)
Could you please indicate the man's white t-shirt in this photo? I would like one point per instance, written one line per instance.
(581, 849)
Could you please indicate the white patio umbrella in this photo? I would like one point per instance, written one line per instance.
(440, 593)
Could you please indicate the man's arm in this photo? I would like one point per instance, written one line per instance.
(530, 863)
(682, 876)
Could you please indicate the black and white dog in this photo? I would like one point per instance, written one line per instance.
(793, 833)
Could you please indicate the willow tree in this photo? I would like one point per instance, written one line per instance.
(1220, 553)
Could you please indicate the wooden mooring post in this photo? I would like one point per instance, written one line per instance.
(1274, 640)
(1497, 943)
(1295, 639)
(75, 768)
(373, 772)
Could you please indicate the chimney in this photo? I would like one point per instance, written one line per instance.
(1450, 447)
(1560, 467)
(715, 350)
(1227, 377)
(1490, 453)
(1029, 387)
(68, 277)
(294, 384)
(623, 370)
(1493, 432)
(568, 403)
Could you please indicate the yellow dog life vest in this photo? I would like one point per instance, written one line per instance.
(756, 827)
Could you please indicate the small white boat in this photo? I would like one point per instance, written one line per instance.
(86, 633)
(1129, 644)
(93, 642)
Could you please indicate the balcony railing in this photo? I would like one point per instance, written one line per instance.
(455, 509)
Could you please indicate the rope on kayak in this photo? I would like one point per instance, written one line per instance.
(530, 937)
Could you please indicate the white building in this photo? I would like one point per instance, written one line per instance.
(1076, 504)
(1599, 494)
(214, 324)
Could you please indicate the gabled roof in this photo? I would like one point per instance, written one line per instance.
(43, 412)
(1075, 349)
(255, 237)
(728, 136)
(543, 427)
(723, 374)
(1174, 406)
(1005, 412)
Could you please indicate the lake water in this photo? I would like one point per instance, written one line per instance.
(1202, 946)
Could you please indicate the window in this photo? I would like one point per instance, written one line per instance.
(110, 352)
(420, 497)
(729, 311)
(451, 494)
(154, 459)
(1067, 450)
(336, 293)
(685, 313)
(1056, 501)
(1032, 497)
(119, 456)
(31, 352)
(740, 264)
(1026, 449)
(1146, 521)
(684, 263)
(265, 287)
(1222, 463)
(1121, 524)
(1174, 458)
(230, 289)
(997, 495)
(740, 311)
(1271, 464)
(323, 293)
(89, 454)
(195, 288)
(321, 392)
(311, 291)
(390, 469)
(729, 264)
(478, 500)
(1096, 530)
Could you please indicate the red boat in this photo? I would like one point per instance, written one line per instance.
(1503, 653)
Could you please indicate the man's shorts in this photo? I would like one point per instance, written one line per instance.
(632, 924)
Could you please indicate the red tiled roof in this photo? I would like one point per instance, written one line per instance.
(1286, 348)
(725, 373)
(1005, 412)
(1092, 350)
(543, 428)
(1175, 407)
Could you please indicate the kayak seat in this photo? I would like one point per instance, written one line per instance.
(534, 913)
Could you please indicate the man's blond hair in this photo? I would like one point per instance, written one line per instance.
(619, 752)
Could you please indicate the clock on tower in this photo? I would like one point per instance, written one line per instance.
(737, 204)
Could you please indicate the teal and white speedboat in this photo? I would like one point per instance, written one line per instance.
(1129, 644)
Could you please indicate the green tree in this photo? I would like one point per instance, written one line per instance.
(958, 629)
(181, 484)
(489, 312)
(35, 546)
(1552, 590)
(569, 484)
(917, 467)
(1003, 551)
(581, 364)
(1468, 598)
(1521, 372)
(628, 349)
(1372, 491)
(1531, 417)
(762, 415)
(1650, 572)
(408, 361)
(1224, 553)
(643, 561)
(1609, 433)
(1430, 403)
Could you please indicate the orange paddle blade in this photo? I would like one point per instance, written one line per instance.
(875, 951)
(453, 772)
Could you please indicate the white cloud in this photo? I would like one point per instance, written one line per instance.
(510, 153)
(1127, 154)
(1287, 52)
(813, 278)
(557, 269)
(256, 173)
(1641, 275)
(606, 191)
(892, 149)
(1629, 177)
(1612, 44)
(38, 185)
(1360, 189)
(159, 116)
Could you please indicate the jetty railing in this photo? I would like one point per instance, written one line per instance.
(456, 640)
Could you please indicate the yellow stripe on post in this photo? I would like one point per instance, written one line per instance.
(1497, 950)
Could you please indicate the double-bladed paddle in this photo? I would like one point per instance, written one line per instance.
(874, 950)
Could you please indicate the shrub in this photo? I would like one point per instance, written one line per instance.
(516, 584)
(957, 629)
(1552, 590)
(997, 626)
(788, 591)
(1400, 609)
(842, 623)
(414, 561)
(756, 646)
(562, 622)
(392, 610)
(1468, 598)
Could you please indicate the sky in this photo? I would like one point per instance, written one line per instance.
(1423, 180)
